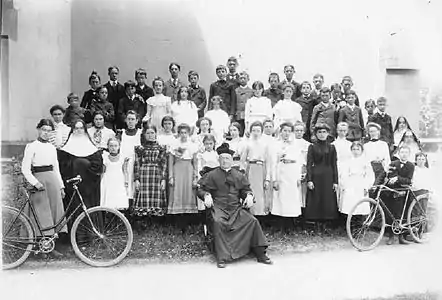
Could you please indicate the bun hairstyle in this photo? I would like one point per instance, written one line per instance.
(94, 75)
(45, 122)
(321, 126)
(224, 149)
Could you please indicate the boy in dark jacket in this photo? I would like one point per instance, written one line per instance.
(383, 119)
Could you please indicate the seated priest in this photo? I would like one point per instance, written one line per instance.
(227, 195)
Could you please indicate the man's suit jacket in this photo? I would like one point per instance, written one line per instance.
(114, 94)
(404, 172)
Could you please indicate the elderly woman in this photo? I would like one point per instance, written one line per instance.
(226, 191)
(322, 179)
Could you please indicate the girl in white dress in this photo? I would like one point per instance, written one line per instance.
(258, 108)
(204, 126)
(287, 110)
(355, 179)
(184, 111)
(256, 160)
(129, 138)
(220, 119)
(167, 138)
(343, 151)
(159, 105)
(301, 146)
(422, 177)
(236, 144)
(287, 175)
(114, 181)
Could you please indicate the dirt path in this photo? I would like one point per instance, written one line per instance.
(343, 274)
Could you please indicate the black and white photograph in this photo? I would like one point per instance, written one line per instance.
(221, 149)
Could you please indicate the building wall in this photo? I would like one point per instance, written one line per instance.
(59, 42)
(39, 64)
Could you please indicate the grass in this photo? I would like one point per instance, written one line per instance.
(166, 243)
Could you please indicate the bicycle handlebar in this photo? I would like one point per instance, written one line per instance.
(75, 180)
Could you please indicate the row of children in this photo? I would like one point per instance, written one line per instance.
(241, 103)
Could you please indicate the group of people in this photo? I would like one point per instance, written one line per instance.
(296, 151)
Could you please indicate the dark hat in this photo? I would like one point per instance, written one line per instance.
(224, 149)
(320, 126)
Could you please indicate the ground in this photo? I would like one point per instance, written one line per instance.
(388, 272)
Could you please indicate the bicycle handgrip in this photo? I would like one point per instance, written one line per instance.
(76, 178)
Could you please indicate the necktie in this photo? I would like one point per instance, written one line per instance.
(97, 136)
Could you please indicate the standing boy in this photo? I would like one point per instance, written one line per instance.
(74, 111)
(352, 115)
(274, 93)
(142, 88)
(197, 94)
(233, 76)
(115, 89)
(347, 84)
(243, 94)
(289, 71)
(318, 82)
(224, 89)
(384, 120)
(130, 101)
(172, 85)
(307, 104)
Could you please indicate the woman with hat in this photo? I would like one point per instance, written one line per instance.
(322, 179)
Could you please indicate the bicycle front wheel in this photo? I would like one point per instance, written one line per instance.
(101, 237)
(422, 219)
(17, 238)
(366, 224)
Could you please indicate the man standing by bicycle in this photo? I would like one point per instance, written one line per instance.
(400, 174)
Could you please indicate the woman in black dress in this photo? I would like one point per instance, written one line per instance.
(322, 179)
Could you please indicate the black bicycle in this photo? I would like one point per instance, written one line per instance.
(100, 236)
(366, 222)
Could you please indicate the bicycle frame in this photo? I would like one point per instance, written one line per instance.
(60, 223)
(409, 194)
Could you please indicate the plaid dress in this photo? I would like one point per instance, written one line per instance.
(150, 168)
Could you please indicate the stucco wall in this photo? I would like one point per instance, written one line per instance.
(39, 64)
(59, 42)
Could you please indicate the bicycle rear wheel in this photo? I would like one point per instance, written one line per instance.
(422, 219)
(366, 224)
(108, 244)
(17, 238)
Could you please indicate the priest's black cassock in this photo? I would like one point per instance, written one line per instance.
(235, 230)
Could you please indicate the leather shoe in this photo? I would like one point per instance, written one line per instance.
(221, 264)
(265, 260)
(391, 240)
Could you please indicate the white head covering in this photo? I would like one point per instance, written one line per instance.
(79, 145)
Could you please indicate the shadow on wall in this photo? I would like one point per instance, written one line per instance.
(134, 34)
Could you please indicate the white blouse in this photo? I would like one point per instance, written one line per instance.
(257, 109)
(287, 110)
(185, 112)
(343, 150)
(166, 140)
(60, 135)
(185, 150)
(378, 151)
(422, 178)
(220, 123)
(40, 154)
(100, 141)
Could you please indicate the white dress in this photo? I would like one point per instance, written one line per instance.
(127, 149)
(301, 146)
(158, 106)
(343, 152)
(355, 176)
(166, 140)
(287, 172)
(237, 145)
(220, 123)
(185, 112)
(287, 110)
(113, 191)
(257, 109)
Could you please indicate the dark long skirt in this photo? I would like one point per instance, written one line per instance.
(236, 234)
(321, 201)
